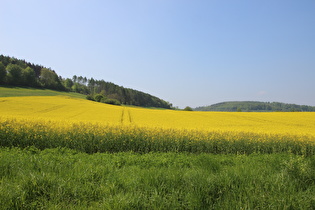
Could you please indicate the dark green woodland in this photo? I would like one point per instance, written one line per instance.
(17, 72)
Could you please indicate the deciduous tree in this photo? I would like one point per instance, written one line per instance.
(14, 75)
(28, 77)
(49, 79)
(3, 73)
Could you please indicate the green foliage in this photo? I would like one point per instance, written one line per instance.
(90, 97)
(187, 108)
(50, 79)
(125, 95)
(22, 73)
(79, 88)
(66, 179)
(98, 97)
(255, 106)
(111, 101)
(14, 74)
(68, 84)
(6, 60)
(29, 77)
(3, 73)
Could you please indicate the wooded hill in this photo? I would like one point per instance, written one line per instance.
(17, 72)
(256, 106)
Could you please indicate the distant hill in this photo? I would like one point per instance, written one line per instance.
(20, 73)
(255, 106)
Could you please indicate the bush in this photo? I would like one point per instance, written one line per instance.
(90, 97)
(111, 101)
(98, 97)
(187, 108)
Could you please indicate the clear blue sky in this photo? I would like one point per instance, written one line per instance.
(188, 52)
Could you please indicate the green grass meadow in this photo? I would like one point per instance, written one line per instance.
(67, 179)
(6, 91)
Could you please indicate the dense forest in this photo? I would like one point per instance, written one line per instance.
(256, 106)
(17, 72)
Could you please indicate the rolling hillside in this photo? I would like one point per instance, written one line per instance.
(255, 106)
(20, 73)
(22, 91)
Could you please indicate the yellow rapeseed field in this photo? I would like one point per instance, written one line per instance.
(71, 119)
(79, 110)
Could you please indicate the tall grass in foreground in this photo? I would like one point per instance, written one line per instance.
(92, 138)
(66, 179)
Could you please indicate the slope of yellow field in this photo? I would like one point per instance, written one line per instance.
(63, 108)
(59, 108)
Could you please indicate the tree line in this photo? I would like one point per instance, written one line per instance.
(256, 106)
(17, 72)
